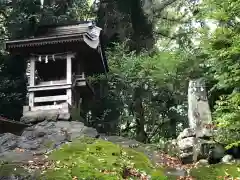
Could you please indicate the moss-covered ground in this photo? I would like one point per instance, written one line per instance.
(217, 172)
(95, 159)
(88, 158)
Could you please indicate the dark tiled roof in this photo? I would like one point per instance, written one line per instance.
(61, 30)
(59, 34)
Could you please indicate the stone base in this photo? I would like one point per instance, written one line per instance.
(30, 117)
(187, 143)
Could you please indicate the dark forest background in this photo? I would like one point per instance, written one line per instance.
(153, 48)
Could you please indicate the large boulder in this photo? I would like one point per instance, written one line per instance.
(186, 142)
(216, 153)
(188, 132)
(33, 117)
(8, 142)
(186, 148)
(41, 138)
(204, 133)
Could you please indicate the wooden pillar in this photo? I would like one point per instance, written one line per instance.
(32, 81)
(69, 68)
(69, 77)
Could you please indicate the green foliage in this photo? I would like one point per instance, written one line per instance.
(222, 49)
(12, 87)
(228, 118)
(156, 81)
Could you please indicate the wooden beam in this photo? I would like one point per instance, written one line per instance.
(32, 71)
(81, 83)
(69, 77)
(51, 98)
(49, 87)
(69, 96)
(69, 68)
(48, 107)
(31, 99)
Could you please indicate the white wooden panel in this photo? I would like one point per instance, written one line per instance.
(49, 87)
(49, 107)
(51, 98)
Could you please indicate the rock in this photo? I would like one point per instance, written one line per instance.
(39, 116)
(8, 142)
(205, 148)
(175, 172)
(216, 154)
(30, 117)
(29, 144)
(227, 158)
(16, 157)
(188, 132)
(234, 151)
(202, 162)
(42, 137)
(186, 149)
(186, 144)
(205, 133)
(186, 158)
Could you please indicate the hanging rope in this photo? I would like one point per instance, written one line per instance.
(56, 54)
(48, 56)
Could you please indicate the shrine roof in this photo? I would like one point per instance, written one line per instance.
(53, 34)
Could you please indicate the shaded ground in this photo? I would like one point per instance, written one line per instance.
(31, 153)
(86, 158)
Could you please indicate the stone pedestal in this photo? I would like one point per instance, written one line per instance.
(186, 143)
(32, 117)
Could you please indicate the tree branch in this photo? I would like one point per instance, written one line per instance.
(165, 4)
(128, 128)
(177, 20)
(2, 12)
(152, 134)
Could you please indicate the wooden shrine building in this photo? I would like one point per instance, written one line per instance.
(60, 58)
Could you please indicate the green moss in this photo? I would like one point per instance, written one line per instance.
(158, 173)
(96, 159)
(217, 171)
(6, 170)
(140, 160)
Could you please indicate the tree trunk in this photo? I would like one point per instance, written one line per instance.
(141, 135)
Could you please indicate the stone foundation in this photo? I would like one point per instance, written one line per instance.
(31, 117)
